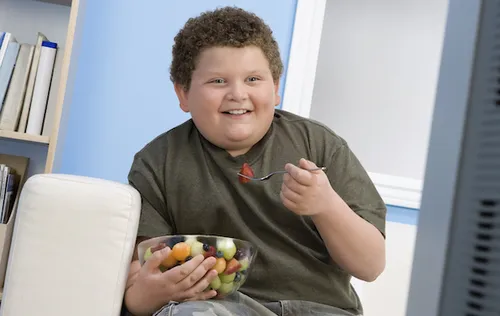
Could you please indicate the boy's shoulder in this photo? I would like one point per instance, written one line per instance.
(167, 140)
(314, 131)
(291, 119)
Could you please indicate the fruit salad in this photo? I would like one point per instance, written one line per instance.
(231, 262)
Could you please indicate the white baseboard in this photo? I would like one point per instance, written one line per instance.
(398, 191)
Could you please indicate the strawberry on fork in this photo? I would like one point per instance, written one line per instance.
(247, 171)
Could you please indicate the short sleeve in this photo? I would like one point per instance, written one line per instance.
(353, 184)
(145, 178)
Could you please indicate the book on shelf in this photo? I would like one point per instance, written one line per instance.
(13, 175)
(29, 77)
(7, 191)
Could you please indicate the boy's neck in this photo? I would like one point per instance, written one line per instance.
(239, 152)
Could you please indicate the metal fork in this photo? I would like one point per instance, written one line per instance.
(275, 172)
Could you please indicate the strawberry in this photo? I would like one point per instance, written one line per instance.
(232, 266)
(247, 171)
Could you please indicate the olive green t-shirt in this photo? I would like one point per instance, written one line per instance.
(190, 186)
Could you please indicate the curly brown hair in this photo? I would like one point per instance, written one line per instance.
(222, 27)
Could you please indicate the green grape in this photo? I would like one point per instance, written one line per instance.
(190, 240)
(147, 254)
(196, 248)
(244, 264)
(227, 247)
(216, 283)
(227, 278)
(225, 288)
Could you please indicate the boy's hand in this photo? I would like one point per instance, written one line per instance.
(148, 289)
(306, 192)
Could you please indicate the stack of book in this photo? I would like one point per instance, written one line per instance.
(12, 174)
(7, 192)
(29, 75)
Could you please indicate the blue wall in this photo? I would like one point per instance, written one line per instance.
(122, 96)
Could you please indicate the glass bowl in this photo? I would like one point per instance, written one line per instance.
(234, 257)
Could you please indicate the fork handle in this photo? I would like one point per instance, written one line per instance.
(314, 169)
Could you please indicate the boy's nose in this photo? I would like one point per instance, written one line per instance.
(237, 93)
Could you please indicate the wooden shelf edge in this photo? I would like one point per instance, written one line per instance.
(61, 89)
(24, 137)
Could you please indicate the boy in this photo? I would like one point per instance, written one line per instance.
(313, 229)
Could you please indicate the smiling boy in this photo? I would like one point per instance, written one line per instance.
(314, 230)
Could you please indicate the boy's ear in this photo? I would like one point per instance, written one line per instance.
(182, 95)
(277, 97)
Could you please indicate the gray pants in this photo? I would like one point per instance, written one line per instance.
(241, 305)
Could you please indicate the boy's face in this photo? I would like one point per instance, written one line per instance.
(232, 97)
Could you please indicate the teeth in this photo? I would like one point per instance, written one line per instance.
(237, 112)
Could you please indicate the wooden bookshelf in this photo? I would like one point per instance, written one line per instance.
(24, 137)
(63, 33)
(58, 23)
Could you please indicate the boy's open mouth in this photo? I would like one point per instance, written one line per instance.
(236, 112)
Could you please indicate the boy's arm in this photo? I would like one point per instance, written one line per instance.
(152, 222)
(353, 243)
(145, 177)
(346, 209)
(354, 227)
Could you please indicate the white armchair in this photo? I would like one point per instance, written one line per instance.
(71, 247)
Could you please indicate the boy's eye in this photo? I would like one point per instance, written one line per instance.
(253, 79)
(218, 81)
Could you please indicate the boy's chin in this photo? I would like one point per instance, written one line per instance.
(239, 138)
(244, 138)
(236, 139)
(237, 144)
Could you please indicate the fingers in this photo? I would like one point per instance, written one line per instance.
(286, 202)
(135, 267)
(199, 287)
(291, 184)
(153, 263)
(185, 270)
(307, 164)
(300, 175)
(291, 190)
(179, 273)
(199, 275)
(192, 286)
(202, 296)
